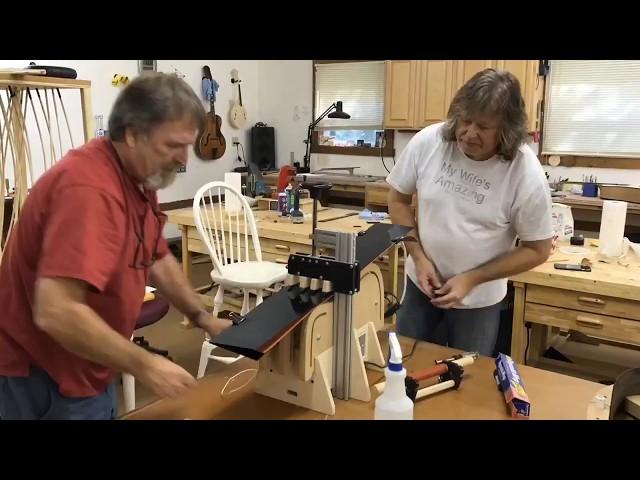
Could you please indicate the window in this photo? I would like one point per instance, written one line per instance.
(360, 88)
(593, 108)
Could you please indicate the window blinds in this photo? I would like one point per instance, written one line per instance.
(593, 108)
(360, 87)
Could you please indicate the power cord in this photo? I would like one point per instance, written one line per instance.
(244, 158)
(382, 142)
(394, 304)
(526, 350)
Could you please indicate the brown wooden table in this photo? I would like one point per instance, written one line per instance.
(603, 303)
(552, 395)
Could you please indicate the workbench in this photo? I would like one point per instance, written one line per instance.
(603, 303)
(347, 188)
(279, 238)
(587, 213)
(553, 396)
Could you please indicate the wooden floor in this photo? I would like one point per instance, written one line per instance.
(183, 344)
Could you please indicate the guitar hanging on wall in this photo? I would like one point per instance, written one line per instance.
(237, 114)
(211, 144)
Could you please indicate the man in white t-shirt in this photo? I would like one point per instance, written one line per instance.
(479, 188)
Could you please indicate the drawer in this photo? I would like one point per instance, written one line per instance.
(266, 256)
(283, 247)
(379, 195)
(275, 257)
(586, 302)
(614, 328)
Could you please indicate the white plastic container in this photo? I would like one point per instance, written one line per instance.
(562, 221)
(394, 404)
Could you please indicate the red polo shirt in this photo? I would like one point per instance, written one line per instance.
(84, 219)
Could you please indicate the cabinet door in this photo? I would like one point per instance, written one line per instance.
(399, 93)
(435, 86)
(465, 69)
(526, 71)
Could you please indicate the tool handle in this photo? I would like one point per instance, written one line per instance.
(434, 389)
(464, 361)
(430, 372)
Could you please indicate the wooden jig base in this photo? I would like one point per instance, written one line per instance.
(299, 370)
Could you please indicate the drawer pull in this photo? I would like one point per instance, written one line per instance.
(282, 247)
(594, 300)
(589, 322)
(282, 260)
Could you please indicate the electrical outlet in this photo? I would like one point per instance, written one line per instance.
(235, 140)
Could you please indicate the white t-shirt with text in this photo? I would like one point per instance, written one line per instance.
(471, 212)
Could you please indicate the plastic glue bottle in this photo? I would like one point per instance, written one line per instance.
(394, 404)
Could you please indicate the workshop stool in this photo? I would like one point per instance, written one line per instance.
(152, 311)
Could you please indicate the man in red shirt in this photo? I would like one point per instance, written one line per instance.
(73, 275)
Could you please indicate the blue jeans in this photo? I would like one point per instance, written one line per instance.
(37, 397)
(472, 329)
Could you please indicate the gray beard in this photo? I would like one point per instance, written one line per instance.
(160, 180)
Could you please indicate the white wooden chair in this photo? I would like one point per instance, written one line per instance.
(235, 252)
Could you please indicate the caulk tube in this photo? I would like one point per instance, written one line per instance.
(394, 404)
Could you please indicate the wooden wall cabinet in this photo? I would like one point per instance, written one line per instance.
(418, 92)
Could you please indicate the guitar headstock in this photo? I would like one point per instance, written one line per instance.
(235, 78)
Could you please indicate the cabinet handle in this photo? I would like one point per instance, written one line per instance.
(589, 322)
(594, 300)
(282, 247)
(281, 260)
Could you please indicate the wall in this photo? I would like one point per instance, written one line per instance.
(286, 103)
(284, 96)
(285, 89)
(100, 73)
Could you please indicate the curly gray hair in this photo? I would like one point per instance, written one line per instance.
(491, 92)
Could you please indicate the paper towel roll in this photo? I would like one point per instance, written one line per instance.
(614, 216)
(231, 202)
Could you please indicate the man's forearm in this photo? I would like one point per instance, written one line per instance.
(516, 261)
(78, 329)
(403, 214)
(168, 278)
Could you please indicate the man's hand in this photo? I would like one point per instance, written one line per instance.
(454, 291)
(214, 326)
(163, 377)
(428, 278)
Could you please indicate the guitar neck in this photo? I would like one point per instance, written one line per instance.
(212, 104)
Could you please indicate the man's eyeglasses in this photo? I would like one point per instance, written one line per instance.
(139, 261)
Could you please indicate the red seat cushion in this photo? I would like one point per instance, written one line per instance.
(152, 311)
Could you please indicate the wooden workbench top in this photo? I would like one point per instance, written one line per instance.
(271, 225)
(611, 279)
(332, 177)
(552, 395)
(591, 203)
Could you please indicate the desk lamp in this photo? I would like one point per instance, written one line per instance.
(339, 113)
